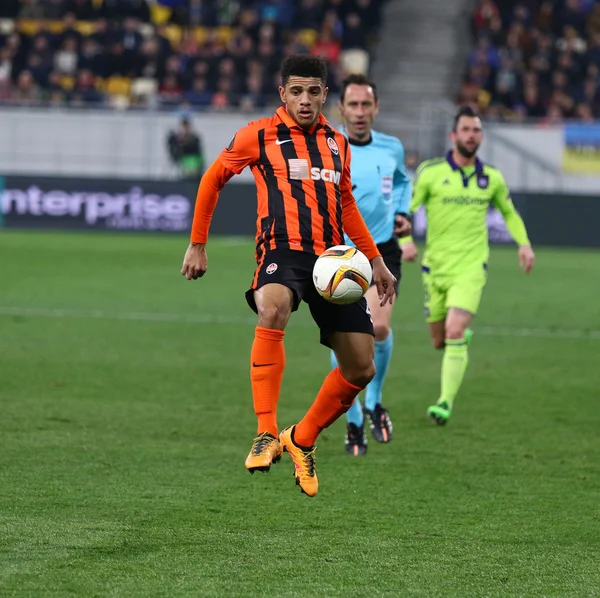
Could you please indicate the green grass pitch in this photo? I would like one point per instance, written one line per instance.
(127, 415)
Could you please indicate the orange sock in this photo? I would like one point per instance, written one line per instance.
(267, 362)
(334, 399)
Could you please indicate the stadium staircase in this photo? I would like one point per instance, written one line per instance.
(418, 66)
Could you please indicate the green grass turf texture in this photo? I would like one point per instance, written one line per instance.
(127, 416)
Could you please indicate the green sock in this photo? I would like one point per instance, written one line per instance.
(468, 335)
(454, 365)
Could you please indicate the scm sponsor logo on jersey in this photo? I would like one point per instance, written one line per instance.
(299, 170)
(325, 174)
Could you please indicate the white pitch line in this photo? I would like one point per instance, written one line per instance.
(203, 318)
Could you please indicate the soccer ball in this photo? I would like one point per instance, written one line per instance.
(342, 274)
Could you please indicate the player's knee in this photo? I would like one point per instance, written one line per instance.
(360, 374)
(455, 332)
(273, 316)
(381, 331)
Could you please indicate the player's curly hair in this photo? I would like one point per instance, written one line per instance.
(357, 79)
(302, 65)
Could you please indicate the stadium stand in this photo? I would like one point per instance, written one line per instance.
(169, 53)
(535, 60)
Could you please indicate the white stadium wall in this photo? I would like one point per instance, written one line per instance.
(103, 144)
(531, 159)
(133, 145)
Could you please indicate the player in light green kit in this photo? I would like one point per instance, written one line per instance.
(457, 191)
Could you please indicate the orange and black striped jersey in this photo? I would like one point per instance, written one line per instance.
(304, 189)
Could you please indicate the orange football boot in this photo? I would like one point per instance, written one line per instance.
(304, 462)
(265, 450)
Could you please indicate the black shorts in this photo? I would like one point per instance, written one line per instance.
(293, 269)
(392, 257)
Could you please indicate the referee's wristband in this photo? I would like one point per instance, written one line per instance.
(403, 240)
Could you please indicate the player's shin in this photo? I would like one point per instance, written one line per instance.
(267, 362)
(454, 365)
(354, 415)
(383, 356)
(334, 399)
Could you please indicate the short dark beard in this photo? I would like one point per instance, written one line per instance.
(464, 152)
(363, 136)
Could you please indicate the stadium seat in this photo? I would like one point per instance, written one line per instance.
(144, 86)
(53, 26)
(85, 27)
(7, 26)
(159, 15)
(118, 86)
(67, 82)
(355, 61)
(28, 27)
(223, 34)
(173, 34)
(201, 35)
(308, 37)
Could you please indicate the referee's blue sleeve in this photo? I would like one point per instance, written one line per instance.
(402, 188)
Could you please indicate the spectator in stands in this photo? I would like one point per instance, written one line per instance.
(121, 9)
(143, 39)
(54, 94)
(185, 149)
(170, 91)
(327, 47)
(83, 10)
(84, 91)
(310, 14)
(26, 92)
(31, 9)
(534, 59)
(9, 9)
(354, 57)
(5, 73)
(65, 60)
(199, 96)
(485, 12)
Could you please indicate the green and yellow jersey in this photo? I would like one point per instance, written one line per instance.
(456, 202)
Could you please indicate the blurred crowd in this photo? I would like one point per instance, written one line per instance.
(202, 54)
(535, 60)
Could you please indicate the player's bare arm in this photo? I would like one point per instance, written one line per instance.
(195, 261)
(409, 249)
(526, 258)
(384, 281)
(402, 225)
(403, 228)
(233, 160)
